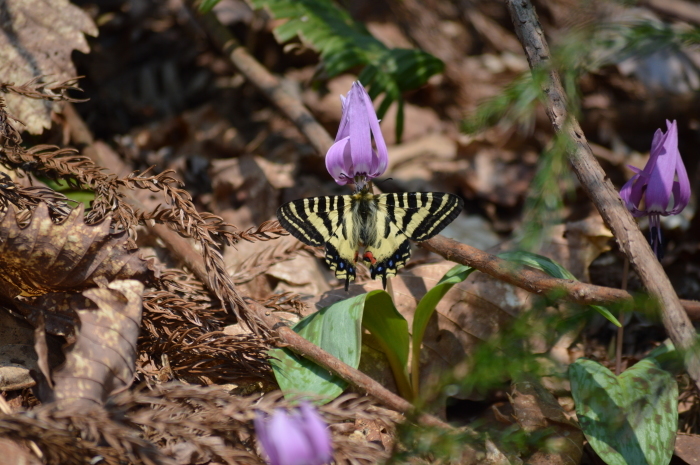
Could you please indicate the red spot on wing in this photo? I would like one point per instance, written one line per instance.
(368, 257)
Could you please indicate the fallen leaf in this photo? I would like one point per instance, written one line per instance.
(102, 361)
(18, 454)
(688, 448)
(45, 257)
(537, 411)
(39, 37)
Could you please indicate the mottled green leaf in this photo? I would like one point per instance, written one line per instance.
(206, 5)
(628, 420)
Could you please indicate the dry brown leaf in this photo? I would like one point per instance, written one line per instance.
(39, 37)
(688, 448)
(576, 244)
(46, 257)
(15, 453)
(17, 354)
(102, 361)
(536, 410)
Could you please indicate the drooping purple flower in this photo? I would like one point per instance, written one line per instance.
(662, 187)
(352, 158)
(296, 438)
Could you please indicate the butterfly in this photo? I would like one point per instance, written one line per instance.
(375, 228)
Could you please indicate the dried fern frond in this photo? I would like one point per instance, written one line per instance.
(285, 302)
(79, 170)
(259, 263)
(75, 434)
(26, 198)
(186, 339)
(53, 91)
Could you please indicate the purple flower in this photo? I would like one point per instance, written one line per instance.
(662, 187)
(297, 438)
(352, 158)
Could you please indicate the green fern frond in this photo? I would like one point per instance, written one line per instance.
(344, 43)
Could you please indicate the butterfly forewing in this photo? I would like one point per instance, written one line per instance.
(421, 215)
(324, 220)
(313, 220)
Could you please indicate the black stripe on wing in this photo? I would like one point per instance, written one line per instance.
(313, 220)
(422, 215)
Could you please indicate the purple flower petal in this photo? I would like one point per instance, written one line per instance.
(317, 434)
(339, 161)
(380, 158)
(290, 446)
(632, 196)
(261, 431)
(660, 185)
(355, 159)
(360, 136)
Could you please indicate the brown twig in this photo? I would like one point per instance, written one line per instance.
(685, 11)
(603, 193)
(535, 281)
(261, 78)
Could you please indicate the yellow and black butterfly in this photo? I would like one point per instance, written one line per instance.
(382, 224)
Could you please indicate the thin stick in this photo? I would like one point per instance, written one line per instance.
(621, 329)
(603, 193)
(535, 281)
(265, 81)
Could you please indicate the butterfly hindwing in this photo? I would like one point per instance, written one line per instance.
(412, 215)
(390, 253)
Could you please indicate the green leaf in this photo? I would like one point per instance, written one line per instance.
(71, 191)
(553, 269)
(390, 329)
(425, 309)
(630, 419)
(206, 5)
(344, 43)
(336, 329)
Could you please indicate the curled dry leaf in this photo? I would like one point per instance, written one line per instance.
(45, 257)
(102, 361)
(39, 38)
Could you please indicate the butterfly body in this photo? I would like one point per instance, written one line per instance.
(380, 224)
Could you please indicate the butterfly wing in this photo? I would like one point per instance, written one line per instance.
(412, 215)
(325, 221)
